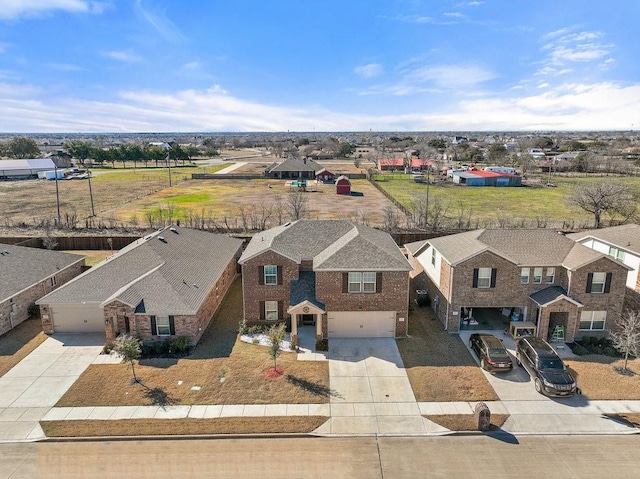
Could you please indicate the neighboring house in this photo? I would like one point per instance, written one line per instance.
(294, 168)
(345, 279)
(167, 284)
(414, 164)
(24, 169)
(620, 242)
(27, 274)
(532, 275)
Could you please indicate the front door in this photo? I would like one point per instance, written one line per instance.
(308, 319)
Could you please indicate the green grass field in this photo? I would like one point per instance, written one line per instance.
(490, 206)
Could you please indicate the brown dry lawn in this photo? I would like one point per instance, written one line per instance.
(19, 342)
(227, 371)
(439, 366)
(465, 422)
(598, 379)
(92, 257)
(220, 199)
(175, 427)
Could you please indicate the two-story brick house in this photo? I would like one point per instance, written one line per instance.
(532, 275)
(346, 279)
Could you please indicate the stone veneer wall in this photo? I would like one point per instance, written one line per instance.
(24, 299)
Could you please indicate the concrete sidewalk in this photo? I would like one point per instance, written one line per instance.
(229, 169)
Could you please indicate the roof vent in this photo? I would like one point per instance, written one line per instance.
(195, 285)
(287, 223)
(162, 238)
(174, 230)
(147, 237)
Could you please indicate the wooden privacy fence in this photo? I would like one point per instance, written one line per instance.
(73, 242)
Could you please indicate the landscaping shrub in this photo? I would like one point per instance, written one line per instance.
(578, 349)
(322, 345)
(255, 329)
(180, 345)
(595, 345)
(242, 327)
(161, 348)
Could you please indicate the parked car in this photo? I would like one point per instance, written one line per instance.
(492, 354)
(546, 368)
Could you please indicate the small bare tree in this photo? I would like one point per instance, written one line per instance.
(626, 336)
(391, 219)
(129, 348)
(276, 336)
(297, 205)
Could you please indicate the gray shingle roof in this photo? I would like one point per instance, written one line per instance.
(296, 164)
(166, 272)
(333, 245)
(626, 237)
(22, 267)
(550, 294)
(535, 247)
(416, 246)
(304, 289)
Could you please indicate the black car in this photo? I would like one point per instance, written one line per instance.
(546, 368)
(492, 354)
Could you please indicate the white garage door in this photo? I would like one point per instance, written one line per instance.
(362, 324)
(77, 318)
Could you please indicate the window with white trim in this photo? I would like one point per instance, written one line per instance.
(616, 253)
(433, 256)
(53, 281)
(597, 282)
(362, 282)
(271, 275)
(550, 276)
(271, 310)
(537, 275)
(163, 326)
(484, 277)
(592, 320)
(524, 275)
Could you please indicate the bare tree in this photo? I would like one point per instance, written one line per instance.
(626, 335)
(391, 219)
(297, 205)
(605, 197)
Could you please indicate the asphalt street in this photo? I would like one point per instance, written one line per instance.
(466, 457)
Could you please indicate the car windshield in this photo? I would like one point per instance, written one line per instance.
(555, 363)
(498, 354)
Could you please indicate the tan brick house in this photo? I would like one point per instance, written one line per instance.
(538, 276)
(164, 285)
(345, 279)
(26, 275)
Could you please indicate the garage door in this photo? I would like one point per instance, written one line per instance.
(81, 318)
(362, 324)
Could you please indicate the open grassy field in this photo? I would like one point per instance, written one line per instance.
(257, 199)
(492, 207)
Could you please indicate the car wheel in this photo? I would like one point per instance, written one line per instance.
(538, 385)
(483, 364)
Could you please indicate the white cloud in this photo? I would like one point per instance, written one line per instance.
(571, 106)
(567, 48)
(158, 19)
(369, 70)
(126, 56)
(11, 9)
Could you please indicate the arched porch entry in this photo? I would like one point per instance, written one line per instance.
(307, 313)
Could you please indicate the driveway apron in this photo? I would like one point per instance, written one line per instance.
(31, 388)
(370, 390)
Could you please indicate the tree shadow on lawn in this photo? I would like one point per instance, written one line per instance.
(157, 395)
(313, 388)
(163, 363)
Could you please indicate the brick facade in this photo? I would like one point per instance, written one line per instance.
(15, 310)
(393, 297)
(510, 292)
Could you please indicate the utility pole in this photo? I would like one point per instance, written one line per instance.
(55, 172)
(93, 213)
(169, 164)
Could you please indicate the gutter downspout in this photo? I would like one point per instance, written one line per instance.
(446, 321)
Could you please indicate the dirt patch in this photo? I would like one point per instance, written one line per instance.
(176, 427)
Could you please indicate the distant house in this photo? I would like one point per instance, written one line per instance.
(486, 178)
(24, 169)
(343, 185)
(164, 285)
(27, 274)
(325, 176)
(387, 164)
(293, 168)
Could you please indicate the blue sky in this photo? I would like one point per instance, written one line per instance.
(348, 65)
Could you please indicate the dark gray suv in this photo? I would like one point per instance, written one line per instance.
(548, 371)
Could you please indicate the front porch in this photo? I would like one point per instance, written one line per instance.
(558, 314)
(305, 309)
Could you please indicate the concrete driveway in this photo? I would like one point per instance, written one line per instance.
(371, 393)
(36, 383)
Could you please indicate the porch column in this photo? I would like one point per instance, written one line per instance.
(294, 325)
